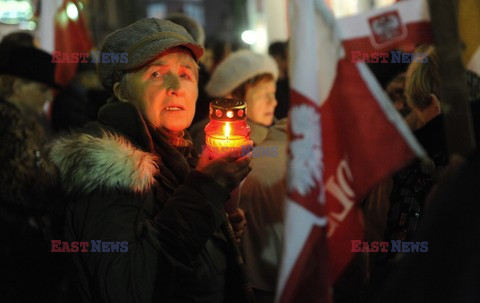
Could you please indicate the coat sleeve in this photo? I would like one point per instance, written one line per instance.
(161, 247)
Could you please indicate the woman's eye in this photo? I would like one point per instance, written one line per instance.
(185, 75)
(156, 75)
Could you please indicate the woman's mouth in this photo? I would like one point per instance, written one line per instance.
(174, 108)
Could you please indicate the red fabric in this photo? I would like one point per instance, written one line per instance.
(354, 128)
(360, 146)
(361, 133)
(70, 36)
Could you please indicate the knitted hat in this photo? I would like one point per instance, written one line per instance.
(29, 63)
(237, 68)
(142, 41)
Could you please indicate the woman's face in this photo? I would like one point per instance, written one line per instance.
(166, 90)
(261, 102)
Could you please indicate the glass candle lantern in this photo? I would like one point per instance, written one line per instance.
(228, 128)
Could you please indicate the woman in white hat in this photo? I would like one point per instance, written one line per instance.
(252, 77)
(248, 76)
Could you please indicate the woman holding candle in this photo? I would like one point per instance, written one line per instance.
(133, 176)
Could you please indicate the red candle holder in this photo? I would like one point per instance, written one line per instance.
(228, 129)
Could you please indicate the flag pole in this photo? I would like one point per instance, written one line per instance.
(455, 107)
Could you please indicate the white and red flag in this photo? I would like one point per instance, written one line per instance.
(345, 136)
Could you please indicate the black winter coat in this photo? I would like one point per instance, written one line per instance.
(115, 182)
(28, 212)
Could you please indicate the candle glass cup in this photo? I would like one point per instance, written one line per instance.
(228, 130)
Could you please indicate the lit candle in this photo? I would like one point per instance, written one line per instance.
(228, 131)
(228, 128)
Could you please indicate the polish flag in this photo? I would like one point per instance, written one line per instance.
(398, 26)
(345, 136)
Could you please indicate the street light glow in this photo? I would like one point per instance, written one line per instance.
(72, 11)
(249, 36)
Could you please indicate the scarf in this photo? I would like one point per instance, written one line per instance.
(177, 156)
(175, 152)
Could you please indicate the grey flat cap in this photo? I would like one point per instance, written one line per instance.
(142, 41)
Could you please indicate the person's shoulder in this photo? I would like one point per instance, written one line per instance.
(281, 125)
(98, 157)
(278, 132)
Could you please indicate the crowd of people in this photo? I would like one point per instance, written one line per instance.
(117, 156)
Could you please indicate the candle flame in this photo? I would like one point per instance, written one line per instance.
(227, 130)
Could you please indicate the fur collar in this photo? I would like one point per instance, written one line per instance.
(86, 163)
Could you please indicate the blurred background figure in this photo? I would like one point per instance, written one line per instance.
(248, 76)
(29, 214)
(220, 50)
(398, 205)
(25, 39)
(412, 184)
(262, 197)
(387, 72)
(79, 102)
(17, 39)
(193, 27)
(25, 81)
(473, 83)
(449, 271)
(396, 91)
(279, 51)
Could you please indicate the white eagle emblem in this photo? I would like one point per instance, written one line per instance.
(386, 27)
(306, 155)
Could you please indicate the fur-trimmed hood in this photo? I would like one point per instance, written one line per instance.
(110, 161)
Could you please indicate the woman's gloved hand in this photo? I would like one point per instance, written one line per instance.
(227, 169)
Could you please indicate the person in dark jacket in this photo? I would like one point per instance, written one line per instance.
(27, 208)
(448, 271)
(78, 103)
(131, 179)
(412, 185)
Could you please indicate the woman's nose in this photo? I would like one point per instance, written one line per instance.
(273, 100)
(172, 83)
